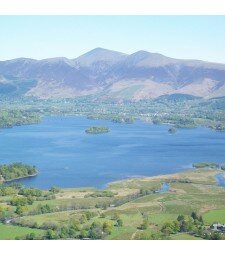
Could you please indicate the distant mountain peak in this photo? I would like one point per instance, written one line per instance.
(141, 53)
(99, 54)
(99, 49)
(147, 59)
(103, 50)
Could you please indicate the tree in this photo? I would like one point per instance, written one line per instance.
(144, 224)
(73, 233)
(167, 228)
(76, 225)
(89, 215)
(96, 231)
(54, 189)
(83, 234)
(119, 223)
(171, 227)
(176, 226)
(4, 212)
(83, 219)
(107, 227)
(64, 232)
(20, 210)
(31, 192)
(215, 236)
(187, 224)
(16, 201)
(51, 235)
(180, 217)
(5, 191)
(200, 232)
(31, 236)
(201, 219)
(44, 209)
(157, 236)
(194, 215)
(30, 200)
(115, 216)
(3, 208)
(143, 236)
(16, 170)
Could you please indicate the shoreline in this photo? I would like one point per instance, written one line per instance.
(19, 178)
(129, 178)
(138, 118)
(106, 184)
(218, 172)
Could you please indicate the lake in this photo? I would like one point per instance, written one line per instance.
(68, 157)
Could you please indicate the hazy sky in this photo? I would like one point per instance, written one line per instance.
(196, 37)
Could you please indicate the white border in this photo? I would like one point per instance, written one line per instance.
(111, 7)
(112, 247)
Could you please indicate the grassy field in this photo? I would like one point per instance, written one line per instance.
(214, 216)
(56, 217)
(9, 232)
(184, 237)
(192, 190)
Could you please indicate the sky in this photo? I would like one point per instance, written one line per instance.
(185, 37)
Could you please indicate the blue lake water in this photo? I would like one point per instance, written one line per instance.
(68, 157)
(220, 180)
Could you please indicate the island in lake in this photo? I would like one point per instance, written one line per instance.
(97, 130)
(172, 130)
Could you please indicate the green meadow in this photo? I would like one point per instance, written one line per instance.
(128, 209)
(9, 232)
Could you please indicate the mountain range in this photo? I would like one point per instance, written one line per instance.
(109, 74)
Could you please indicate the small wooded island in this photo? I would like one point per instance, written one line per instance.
(97, 130)
(16, 171)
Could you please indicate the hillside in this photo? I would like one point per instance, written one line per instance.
(127, 210)
(110, 74)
